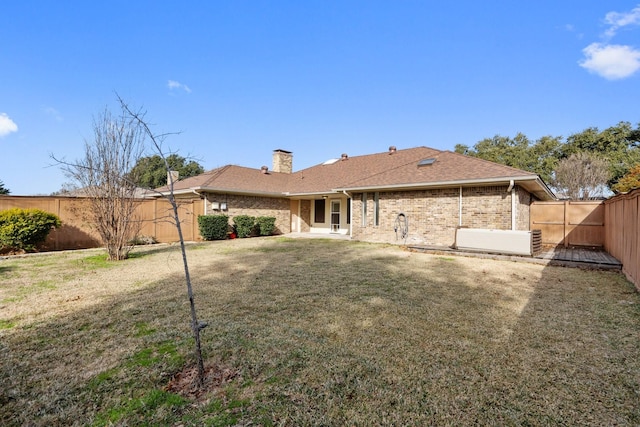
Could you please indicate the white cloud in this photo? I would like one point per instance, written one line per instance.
(617, 20)
(611, 61)
(172, 84)
(7, 125)
(53, 113)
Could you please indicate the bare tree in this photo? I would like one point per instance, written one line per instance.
(582, 176)
(139, 118)
(118, 143)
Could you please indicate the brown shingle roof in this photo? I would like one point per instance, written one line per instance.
(237, 179)
(381, 170)
(400, 168)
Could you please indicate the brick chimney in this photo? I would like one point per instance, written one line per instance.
(172, 176)
(282, 161)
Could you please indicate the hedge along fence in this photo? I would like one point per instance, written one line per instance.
(25, 229)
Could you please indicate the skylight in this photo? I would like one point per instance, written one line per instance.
(426, 162)
(330, 161)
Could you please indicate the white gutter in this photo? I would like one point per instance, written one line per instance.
(460, 208)
(512, 189)
(465, 182)
(224, 190)
(502, 180)
(511, 184)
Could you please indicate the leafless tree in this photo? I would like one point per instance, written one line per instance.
(138, 117)
(582, 176)
(101, 175)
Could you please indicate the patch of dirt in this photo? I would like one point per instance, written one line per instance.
(185, 382)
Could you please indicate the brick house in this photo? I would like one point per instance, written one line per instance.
(368, 197)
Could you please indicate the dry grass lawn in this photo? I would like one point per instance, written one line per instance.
(316, 332)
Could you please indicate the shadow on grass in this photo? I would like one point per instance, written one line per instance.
(6, 268)
(573, 356)
(321, 332)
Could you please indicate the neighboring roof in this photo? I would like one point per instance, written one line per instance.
(395, 169)
(139, 193)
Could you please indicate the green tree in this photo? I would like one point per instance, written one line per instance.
(3, 189)
(630, 181)
(519, 152)
(151, 171)
(618, 145)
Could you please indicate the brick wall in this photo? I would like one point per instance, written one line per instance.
(305, 216)
(255, 206)
(523, 213)
(486, 207)
(434, 215)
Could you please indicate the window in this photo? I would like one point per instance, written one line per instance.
(364, 209)
(426, 162)
(318, 211)
(376, 209)
(348, 211)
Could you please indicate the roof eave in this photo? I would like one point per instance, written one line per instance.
(542, 192)
(240, 192)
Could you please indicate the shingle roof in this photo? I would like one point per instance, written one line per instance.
(393, 169)
(237, 179)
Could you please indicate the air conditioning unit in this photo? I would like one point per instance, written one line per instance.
(511, 242)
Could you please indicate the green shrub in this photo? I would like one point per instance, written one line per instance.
(213, 227)
(245, 225)
(266, 224)
(24, 229)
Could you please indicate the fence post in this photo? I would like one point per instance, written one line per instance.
(56, 242)
(565, 235)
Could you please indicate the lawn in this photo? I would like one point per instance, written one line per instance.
(315, 332)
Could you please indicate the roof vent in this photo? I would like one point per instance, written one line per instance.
(264, 169)
(427, 162)
(344, 156)
(392, 149)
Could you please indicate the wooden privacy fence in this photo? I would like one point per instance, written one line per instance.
(78, 231)
(622, 232)
(569, 223)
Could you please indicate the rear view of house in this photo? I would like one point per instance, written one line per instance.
(417, 196)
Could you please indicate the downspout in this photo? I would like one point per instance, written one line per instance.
(350, 200)
(512, 189)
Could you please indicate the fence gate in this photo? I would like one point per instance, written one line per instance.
(569, 223)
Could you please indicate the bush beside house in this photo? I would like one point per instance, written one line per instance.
(266, 225)
(216, 227)
(213, 227)
(245, 225)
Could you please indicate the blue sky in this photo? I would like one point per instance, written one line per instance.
(318, 78)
